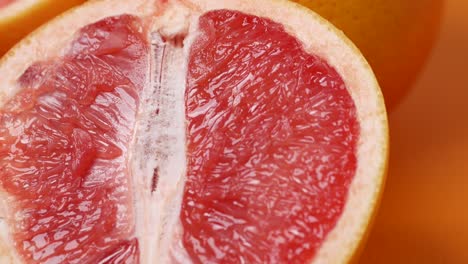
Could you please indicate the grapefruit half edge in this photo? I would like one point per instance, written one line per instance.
(19, 17)
(188, 132)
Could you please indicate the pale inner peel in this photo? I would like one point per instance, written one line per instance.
(158, 159)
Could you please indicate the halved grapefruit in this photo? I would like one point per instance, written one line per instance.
(188, 132)
(19, 17)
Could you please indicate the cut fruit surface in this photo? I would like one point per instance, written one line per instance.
(272, 135)
(72, 122)
(188, 132)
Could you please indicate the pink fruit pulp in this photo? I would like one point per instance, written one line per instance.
(272, 138)
(63, 146)
(272, 135)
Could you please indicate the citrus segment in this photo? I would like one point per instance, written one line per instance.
(272, 138)
(63, 146)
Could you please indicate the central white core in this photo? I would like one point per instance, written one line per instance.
(158, 158)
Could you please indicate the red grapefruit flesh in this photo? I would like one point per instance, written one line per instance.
(188, 132)
(272, 135)
(64, 141)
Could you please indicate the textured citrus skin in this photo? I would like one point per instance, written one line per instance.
(14, 28)
(394, 36)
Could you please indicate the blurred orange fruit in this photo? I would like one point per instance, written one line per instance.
(19, 17)
(395, 36)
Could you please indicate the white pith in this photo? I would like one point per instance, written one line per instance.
(157, 213)
(160, 136)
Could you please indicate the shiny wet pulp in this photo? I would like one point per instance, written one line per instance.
(271, 146)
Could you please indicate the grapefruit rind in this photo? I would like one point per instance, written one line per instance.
(331, 45)
(22, 16)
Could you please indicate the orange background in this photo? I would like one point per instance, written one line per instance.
(424, 213)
